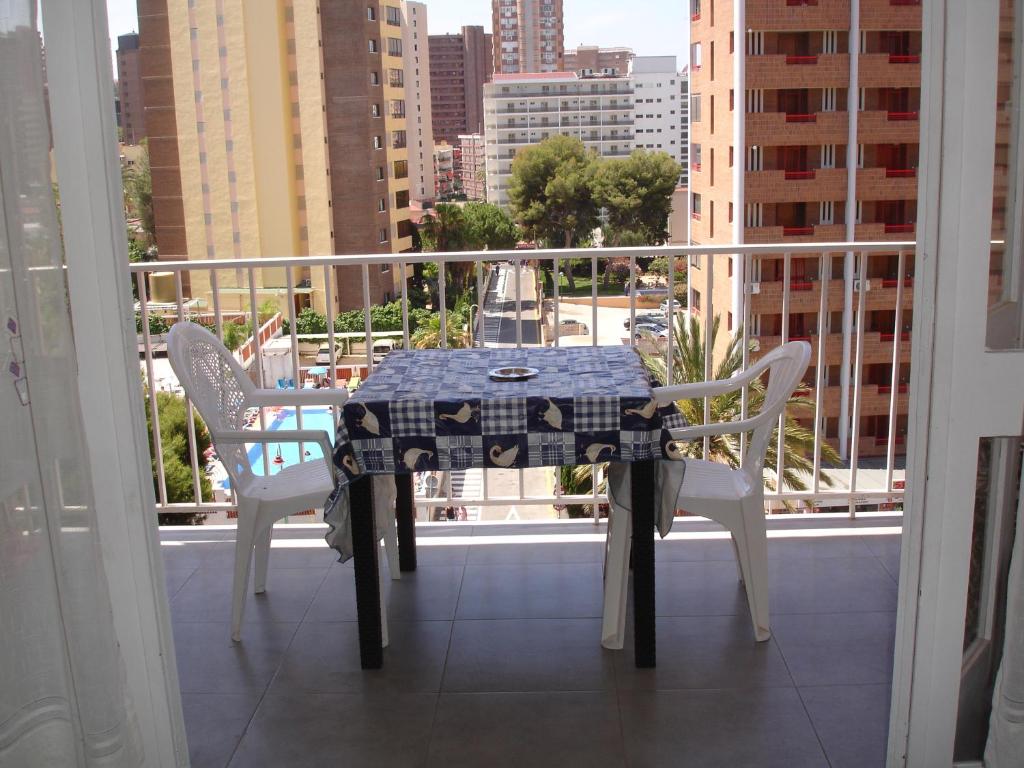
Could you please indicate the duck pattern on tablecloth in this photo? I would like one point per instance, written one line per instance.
(439, 410)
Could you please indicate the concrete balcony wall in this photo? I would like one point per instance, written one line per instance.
(873, 184)
(883, 15)
(876, 71)
(875, 127)
(774, 234)
(771, 129)
(776, 16)
(832, 70)
(774, 187)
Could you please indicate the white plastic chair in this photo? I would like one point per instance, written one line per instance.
(222, 391)
(733, 498)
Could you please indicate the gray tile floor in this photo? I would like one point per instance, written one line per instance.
(495, 656)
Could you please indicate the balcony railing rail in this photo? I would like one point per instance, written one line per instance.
(901, 115)
(801, 59)
(799, 175)
(801, 117)
(222, 290)
(904, 58)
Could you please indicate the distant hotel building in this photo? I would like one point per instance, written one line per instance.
(418, 100)
(262, 143)
(522, 110)
(132, 113)
(471, 166)
(771, 94)
(444, 171)
(460, 64)
(597, 60)
(659, 113)
(528, 36)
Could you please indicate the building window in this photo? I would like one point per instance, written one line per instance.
(375, 110)
(730, 156)
(394, 16)
(380, 173)
(374, 78)
(371, 44)
(381, 205)
(371, 15)
(695, 57)
(382, 235)
(695, 108)
(695, 213)
(730, 221)
(394, 46)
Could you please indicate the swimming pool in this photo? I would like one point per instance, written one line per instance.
(312, 418)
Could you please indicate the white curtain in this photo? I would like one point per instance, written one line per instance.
(63, 698)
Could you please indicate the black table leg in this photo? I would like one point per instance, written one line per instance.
(405, 512)
(364, 545)
(644, 639)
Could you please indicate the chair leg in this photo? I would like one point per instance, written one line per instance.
(387, 526)
(385, 596)
(262, 555)
(753, 548)
(616, 580)
(739, 560)
(244, 541)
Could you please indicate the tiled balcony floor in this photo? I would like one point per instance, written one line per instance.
(495, 656)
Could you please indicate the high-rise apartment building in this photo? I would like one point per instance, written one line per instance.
(129, 90)
(597, 60)
(658, 106)
(444, 170)
(528, 35)
(471, 166)
(522, 110)
(804, 127)
(684, 106)
(264, 144)
(418, 101)
(460, 64)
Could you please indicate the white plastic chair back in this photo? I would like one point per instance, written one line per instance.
(218, 386)
(786, 366)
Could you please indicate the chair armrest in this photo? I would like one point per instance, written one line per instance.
(318, 436)
(267, 398)
(698, 389)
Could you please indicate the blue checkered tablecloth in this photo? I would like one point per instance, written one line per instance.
(438, 409)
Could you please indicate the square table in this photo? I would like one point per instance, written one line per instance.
(438, 409)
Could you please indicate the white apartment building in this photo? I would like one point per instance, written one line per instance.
(684, 102)
(659, 110)
(419, 124)
(524, 109)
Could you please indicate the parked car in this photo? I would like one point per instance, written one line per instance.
(650, 329)
(570, 327)
(676, 305)
(323, 354)
(648, 317)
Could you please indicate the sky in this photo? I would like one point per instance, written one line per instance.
(661, 28)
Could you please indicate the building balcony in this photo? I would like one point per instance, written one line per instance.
(795, 186)
(883, 70)
(497, 632)
(773, 129)
(882, 127)
(887, 184)
(795, 16)
(890, 15)
(827, 70)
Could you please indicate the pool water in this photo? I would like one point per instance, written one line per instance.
(312, 418)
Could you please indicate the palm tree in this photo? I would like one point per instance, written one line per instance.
(428, 335)
(444, 230)
(577, 480)
(688, 366)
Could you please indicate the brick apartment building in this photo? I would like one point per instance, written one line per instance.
(819, 103)
(132, 113)
(313, 161)
(528, 36)
(460, 64)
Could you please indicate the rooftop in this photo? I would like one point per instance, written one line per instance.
(497, 635)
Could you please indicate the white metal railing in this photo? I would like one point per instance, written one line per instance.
(745, 262)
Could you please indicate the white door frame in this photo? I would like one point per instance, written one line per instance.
(961, 391)
(96, 252)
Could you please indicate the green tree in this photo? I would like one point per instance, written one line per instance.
(636, 195)
(550, 192)
(688, 366)
(444, 229)
(177, 456)
(486, 226)
(578, 480)
(138, 184)
(428, 335)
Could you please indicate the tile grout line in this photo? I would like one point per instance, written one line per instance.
(444, 667)
(277, 669)
(803, 704)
